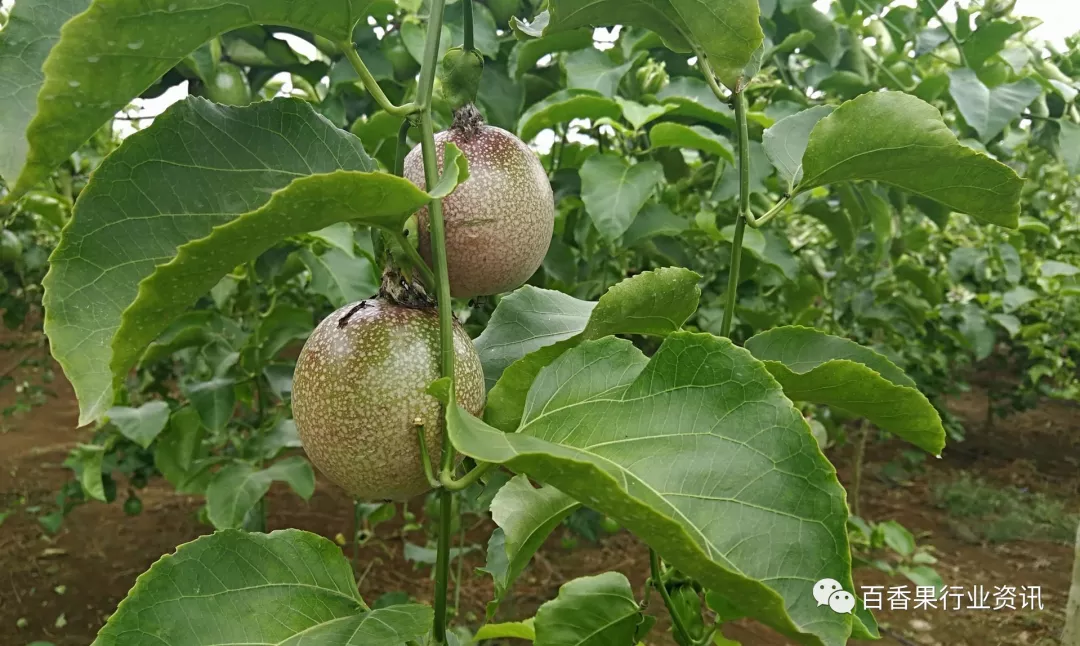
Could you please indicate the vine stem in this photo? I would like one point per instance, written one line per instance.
(372, 85)
(658, 583)
(446, 320)
(950, 32)
(467, 11)
(744, 209)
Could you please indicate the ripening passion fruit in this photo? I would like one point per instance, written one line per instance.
(499, 222)
(359, 387)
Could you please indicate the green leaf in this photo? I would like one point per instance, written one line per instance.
(816, 367)
(726, 31)
(562, 107)
(514, 348)
(235, 489)
(1018, 297)
(507, 630)
(696, 137)
(214, 400)
(1070, 145)
(988, 110)
(525, 517)
(179, 446)
(614, 191)
(140, 425)
(592, 69)
(89, 458)
(1053, 268)
(590, 611)
(340, 236)
(693, 99)
(341, 278)
(827, 41)
(288, 587)
(898, 139)
(785, 142)
(130, 262)
(667, 446)
(455, 171)
(988, 40)
(638, 115)
(29, 35)
(898, 538)
(527, 53)
(132, 46)
(654, 220)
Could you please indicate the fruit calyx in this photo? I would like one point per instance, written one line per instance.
(399, 290)
(467, 122)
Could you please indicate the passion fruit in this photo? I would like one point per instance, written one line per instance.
(228, 85)
(360, 388)
(499, 222)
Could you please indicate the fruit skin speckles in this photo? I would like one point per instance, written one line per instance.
(360, 385)
(499, 222)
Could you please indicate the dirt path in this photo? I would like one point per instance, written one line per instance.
(61, 588)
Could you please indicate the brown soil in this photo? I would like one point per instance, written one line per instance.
(99, 551)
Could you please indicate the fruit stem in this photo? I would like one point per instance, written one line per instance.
(446, 478)
(417, 262)
(402, 148)
(744, 209)
(425, 457)
(466, 8)
(372, 85)
(446, 320)
(658, 583)
(757, 222)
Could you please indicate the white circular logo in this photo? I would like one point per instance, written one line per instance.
(829, 592)
(824, 589)
(842, 602)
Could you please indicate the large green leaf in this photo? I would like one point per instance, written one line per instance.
(237, 488)
(988, 110)
(696, 137)
(726, 31)
(614, 191)
(526, 53)
(590, 611)
(286, 588)
(654, 302)
(592, 69)
(30, 33)
(181, 204)
(898, 139)
(668, 446)
(564, 106)
(525, 517)
(131, 43)
(785, 142)
(816, 367)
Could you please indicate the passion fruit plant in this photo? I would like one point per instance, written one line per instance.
(688, 440)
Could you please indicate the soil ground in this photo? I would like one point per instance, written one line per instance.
(61, 588)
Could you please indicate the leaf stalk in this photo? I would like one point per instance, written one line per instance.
(372, 86)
